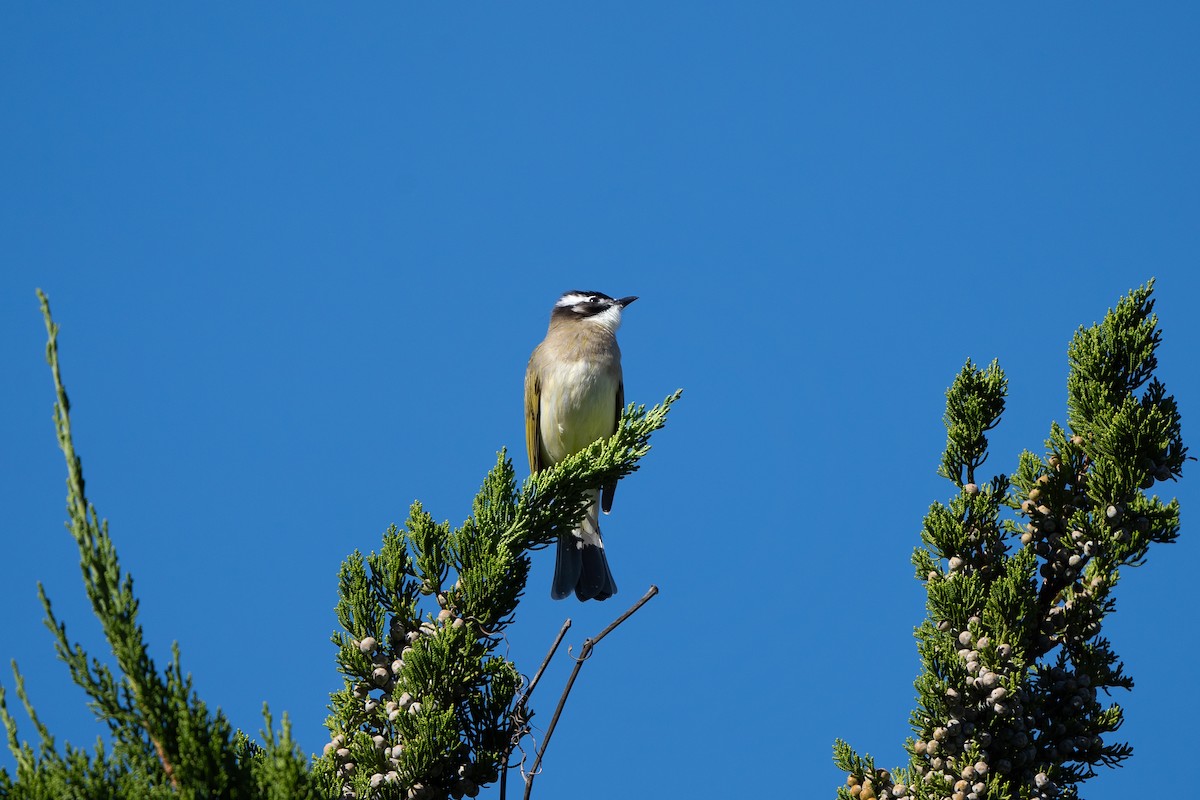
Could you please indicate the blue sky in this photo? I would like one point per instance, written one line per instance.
(300, 258)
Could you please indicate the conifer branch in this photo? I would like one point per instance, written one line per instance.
(166, 742)
(1012, 653)
(430, 707)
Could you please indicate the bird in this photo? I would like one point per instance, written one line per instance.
(574, 395)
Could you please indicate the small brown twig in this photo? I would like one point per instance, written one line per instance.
(524, 701)
(585, 653)
(517, 727)
(167, 768)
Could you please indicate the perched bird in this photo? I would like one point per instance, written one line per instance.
(574, 395)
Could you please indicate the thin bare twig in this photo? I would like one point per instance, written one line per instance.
(585, 653)
(517, 726)
(524, 701)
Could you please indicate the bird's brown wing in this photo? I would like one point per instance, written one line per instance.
(533, 407)
(606, 495)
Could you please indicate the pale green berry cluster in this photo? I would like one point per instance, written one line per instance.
(386, 695)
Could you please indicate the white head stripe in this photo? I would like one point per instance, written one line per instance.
(568, 300)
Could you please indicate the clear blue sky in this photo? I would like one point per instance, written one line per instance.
(300, 256)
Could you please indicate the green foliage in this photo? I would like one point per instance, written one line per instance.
(1008, 701)
(974, 404)
(426, 710)
(166, 742)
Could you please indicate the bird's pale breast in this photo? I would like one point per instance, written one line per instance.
(578, 401)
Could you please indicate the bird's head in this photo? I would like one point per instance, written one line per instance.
(590, 308)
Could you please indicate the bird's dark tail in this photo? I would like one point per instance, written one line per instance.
(581, 566)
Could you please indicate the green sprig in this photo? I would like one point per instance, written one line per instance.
(1012, 656)
(426, 710)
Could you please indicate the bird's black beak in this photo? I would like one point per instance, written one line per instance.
(624, 301)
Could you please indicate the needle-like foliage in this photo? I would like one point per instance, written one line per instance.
(427, 706)
(426, 709)
(165, 740)
(1019, 574)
